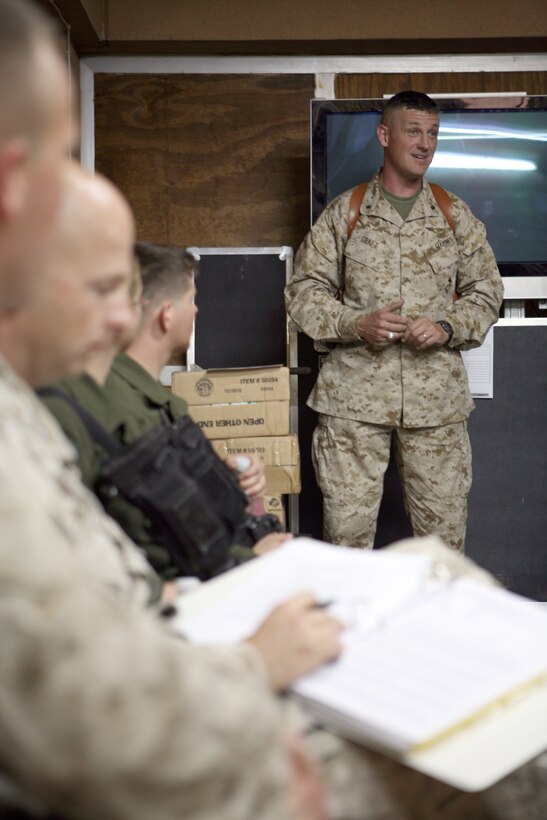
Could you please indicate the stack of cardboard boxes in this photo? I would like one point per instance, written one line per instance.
(247, 412)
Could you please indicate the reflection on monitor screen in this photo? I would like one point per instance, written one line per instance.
(494, 159)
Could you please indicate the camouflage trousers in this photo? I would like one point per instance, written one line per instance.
(351, 457)
(365, 785)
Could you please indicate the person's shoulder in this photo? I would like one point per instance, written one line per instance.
(122, 378)
(464, 218)
(128, 369)
(71, 384)
(12, 388)
(136, 399)
(456, 202)
(67, 418)
(24, 420)
(87, 392)
(334, 217)
(121, 366)
(57, 398)
(338, 208)
(83, 390)
(341, 201)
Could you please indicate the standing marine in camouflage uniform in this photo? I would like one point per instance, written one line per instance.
(395, 372)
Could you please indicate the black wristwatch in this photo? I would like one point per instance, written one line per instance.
(447, 327)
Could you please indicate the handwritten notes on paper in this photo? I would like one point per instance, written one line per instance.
(422, 656)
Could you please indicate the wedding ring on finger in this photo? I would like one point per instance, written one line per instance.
(390, 335)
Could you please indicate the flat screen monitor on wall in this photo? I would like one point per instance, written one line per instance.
(491, 152)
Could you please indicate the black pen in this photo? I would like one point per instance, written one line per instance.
(322, 604)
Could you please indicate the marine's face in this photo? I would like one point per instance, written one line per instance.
(409, 140)
(98, 309)
(82, 307)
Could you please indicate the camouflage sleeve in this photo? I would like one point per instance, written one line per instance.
(479, 284)
(105, 714)
(311, 295)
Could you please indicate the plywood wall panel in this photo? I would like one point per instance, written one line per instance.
(131, 145)
(209, 160)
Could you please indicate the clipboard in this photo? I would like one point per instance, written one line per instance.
(473, 757)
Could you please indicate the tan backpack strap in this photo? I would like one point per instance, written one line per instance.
(357, 196)
(443, 201)
(356, 199)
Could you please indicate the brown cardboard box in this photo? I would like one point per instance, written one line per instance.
(200, 387)
(280, 450)
(281, 480)
(280, 455)
(273, 504)
(266, 418)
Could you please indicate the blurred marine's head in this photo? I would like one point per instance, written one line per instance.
(81, 304)
(35, 139)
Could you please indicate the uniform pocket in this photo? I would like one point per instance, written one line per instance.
(445, 268)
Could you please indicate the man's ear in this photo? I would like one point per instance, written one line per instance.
(383, 134)
(13, 177)
(165, 317)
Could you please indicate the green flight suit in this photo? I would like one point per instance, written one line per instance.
(85, 390)
(130, 404)
(96, 400)
(138, 400)
(139, 403)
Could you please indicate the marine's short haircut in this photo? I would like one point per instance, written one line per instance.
(23, 29)
(414, 100)
(167, 271)
(135, 283)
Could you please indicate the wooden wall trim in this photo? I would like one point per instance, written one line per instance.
(478, 45)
